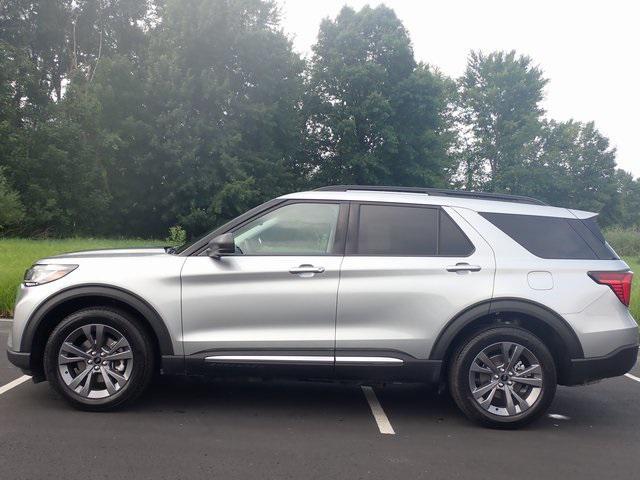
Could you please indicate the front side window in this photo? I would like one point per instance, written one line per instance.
(295, 229)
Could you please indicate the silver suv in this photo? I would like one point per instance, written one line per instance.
(499, 297)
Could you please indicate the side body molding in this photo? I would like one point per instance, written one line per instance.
(511, 305)
(106, 292)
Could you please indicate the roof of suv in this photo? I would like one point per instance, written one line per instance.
(479, 203)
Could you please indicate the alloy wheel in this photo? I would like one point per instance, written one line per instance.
(95, 361)
(505, 379)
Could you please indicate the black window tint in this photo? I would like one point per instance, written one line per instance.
(594, 228)
(588, 229)
(453, 242)
(545, 237)
(397, 230)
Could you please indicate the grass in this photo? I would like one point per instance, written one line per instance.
(634, 263)
(17, 254)
(625, 241)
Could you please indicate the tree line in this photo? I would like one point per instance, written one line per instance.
(126, 117)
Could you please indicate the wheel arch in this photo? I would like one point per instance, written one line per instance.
(67, 301)
(532, 316)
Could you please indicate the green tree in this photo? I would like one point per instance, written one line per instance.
(573, 165)
(374, 116)
(11, 207)
(39, 30)
(20, 100)
(53, 145)
(57, 169)
(629, 193)
(23, 105)
(119, 135)
(224, 89)
(499, 106)
(63, 36)
(131, 116)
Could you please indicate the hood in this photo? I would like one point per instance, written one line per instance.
(111, 253)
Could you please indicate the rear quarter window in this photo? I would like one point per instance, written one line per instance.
(553, 237)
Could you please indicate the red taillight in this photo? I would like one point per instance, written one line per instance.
(619, 282)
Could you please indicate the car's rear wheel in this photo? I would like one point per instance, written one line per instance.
(98, 359)
(503, 377)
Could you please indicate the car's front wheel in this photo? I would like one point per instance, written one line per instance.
(503, 377)
(98, 359)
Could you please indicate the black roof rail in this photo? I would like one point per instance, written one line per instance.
(438, 192)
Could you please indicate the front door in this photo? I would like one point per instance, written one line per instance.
(274, 300)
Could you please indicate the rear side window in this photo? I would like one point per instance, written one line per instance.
(408, 231)
(553, 237)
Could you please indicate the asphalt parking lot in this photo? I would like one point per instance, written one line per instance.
(192, 428)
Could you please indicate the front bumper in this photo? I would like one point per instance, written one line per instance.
(585, 370)
(21, 360)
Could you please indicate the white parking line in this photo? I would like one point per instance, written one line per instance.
(8, 320)
(632, 377)
(15, 383)
(378, 413)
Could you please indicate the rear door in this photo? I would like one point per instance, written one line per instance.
(407, 271)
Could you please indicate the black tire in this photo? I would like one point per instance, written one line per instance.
(143, 365)
(459, 376)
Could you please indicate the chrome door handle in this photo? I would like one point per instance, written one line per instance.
(463, 267)
(306, 269)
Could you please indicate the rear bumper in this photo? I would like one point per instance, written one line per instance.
(586, 370)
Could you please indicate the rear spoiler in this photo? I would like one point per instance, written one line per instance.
(582, 214)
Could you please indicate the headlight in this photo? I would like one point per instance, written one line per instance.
(39, 274)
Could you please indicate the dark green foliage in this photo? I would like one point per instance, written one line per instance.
(192, 119)
(52, 145)
(127, 117)
(574, 166)
(11, 208)
(225, 106)
(629, 195)
(374, 115)
(510, 147)
(500, 97)
(59, 173)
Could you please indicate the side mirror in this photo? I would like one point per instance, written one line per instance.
(221, 245)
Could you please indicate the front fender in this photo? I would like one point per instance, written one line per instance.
(106, 292)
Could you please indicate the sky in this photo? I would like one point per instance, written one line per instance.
(585, 48)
